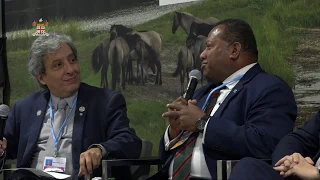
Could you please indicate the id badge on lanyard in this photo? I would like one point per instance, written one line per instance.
(54, 164)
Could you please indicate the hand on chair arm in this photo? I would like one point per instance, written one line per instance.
(89, 160)
(104, 152)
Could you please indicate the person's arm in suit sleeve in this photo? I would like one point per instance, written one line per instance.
(12, 139)
(163, 154)
(305, 141)
(11, 133)
(271, 117)
(122, 140)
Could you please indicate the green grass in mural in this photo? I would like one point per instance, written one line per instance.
(147, 121)
(271, 21)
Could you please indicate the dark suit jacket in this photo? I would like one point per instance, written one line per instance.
(305, 140)
(257, 113)
(104, 122)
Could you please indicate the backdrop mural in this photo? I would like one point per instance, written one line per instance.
(145, 49)
(124, 47)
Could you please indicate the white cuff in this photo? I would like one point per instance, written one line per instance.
(103, 150)
(204, 131)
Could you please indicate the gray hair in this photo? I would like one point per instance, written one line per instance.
(43, 46)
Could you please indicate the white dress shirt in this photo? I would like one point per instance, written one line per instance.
(318, 163)
(45, 143)
(199, 166)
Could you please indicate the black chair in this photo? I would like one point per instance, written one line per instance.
(9, 164)
(142, 172)
(224, 167)
(108, 164)
(140, 168)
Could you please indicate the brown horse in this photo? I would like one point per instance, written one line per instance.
(147, 46)
(186, 19)
(200, 29)
(184, 66)
(197, 45)
(99, 60)
(149, 58)
(132, 75)
(118, 58)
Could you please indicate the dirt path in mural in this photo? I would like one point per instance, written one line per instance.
(306, 63)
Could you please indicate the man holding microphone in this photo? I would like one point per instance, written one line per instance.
(242, 112)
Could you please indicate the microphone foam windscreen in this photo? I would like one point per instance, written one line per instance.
(195, 73)
(4, 110)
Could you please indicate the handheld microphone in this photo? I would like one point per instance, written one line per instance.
(4, 112)
(194, 75)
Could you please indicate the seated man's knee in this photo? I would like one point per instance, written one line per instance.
(248, 161)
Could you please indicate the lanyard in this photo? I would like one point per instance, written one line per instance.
(57, 138)
(217, 88)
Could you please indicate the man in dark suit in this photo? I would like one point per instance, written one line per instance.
(246, 113)
(72, 123)
(296, 156)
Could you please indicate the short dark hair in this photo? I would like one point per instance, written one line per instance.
(237, 30)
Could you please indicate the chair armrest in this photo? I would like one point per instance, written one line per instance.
(108, 164)
(224, 167)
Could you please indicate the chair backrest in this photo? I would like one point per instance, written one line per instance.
(9, 164)
(146, 150)
(142, 172)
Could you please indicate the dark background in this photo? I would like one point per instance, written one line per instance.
(21, 13)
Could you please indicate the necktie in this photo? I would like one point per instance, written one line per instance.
(213, 100)
(59, 116)
(182, 158)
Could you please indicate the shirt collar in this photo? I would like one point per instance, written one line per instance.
(69, 100)
(240, 72)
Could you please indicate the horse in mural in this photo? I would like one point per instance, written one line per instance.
(118, 59)
(196, 44)
(132, 71)
(147, 47)
(184, 66)
(148, 58)
(200, 29)
(99, 60)
(132, 75)
(185, 20)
